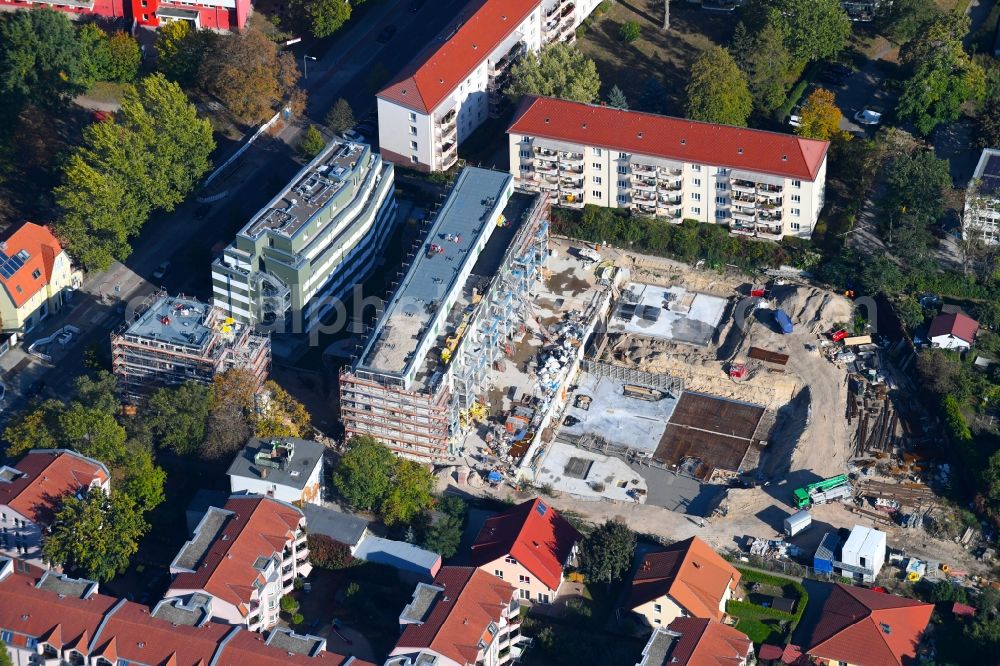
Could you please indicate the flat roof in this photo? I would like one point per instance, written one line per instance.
(419, 608)
(209, 528)
(343, 527)
(297, 460)
(681, 315)
(64, 586)
(310, 190)
(287, 640)
(863, 539)
(177, 320)
(175, 611)
(397, 554)
(467, 215)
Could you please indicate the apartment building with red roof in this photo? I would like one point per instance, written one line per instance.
(30, 494)
(861, 627)
(456, 83)
(35, 276)
(690, 641)
(529, 546)
(465, 617)
(210, 14)
(685, 579)
(242, 559)
(54, 619)
(759, 183)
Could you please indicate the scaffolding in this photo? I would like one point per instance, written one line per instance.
(172, 340)
(672, 385)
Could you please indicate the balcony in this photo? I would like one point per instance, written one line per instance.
(642, 168)
(743, 186)
(570, 159)
(742, 230)
(743, 216)
(503, 63)
(772, 231)
(675, 200)
(448, 120)
(546, 168)
(571, 201)
(663, 172)
(767, 203)
(644, 185)
(745, 200)
(547, 155)
(770, 190)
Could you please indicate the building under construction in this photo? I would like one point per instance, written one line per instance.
(418, 383)
(171, 340)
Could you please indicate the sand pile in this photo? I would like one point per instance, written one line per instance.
(812, 308)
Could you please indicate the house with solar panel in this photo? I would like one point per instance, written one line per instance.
(36, 274)
(982, 200)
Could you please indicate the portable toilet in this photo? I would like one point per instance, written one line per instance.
(826, 553)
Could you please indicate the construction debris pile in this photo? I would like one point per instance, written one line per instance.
(905, 504)
(772, 549)
(869, 407)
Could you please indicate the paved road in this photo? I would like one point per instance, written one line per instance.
(186, 236)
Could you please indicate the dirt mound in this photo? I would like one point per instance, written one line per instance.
(812, 308)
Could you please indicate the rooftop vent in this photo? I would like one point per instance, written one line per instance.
(784, 158)
(740, 151)
(585, 126)
(640, 135)
(684, 142)
(546, 121)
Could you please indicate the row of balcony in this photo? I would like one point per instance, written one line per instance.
(659, 172)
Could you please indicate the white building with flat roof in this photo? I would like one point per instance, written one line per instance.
(865, 550)
(757, 183)
(437, 101)
(982, 200)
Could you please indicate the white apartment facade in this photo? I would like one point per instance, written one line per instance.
(762, 184)
(982, 200)
(438, 101)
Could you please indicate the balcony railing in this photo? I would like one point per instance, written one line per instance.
(743, 187)
(642, 168)
(743, 216)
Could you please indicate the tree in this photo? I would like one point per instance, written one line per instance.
(629, 32)
(180, 50)
(92, 432)
(229, 419)
(289, 605)
(606, 554)
(559, 70)
(821, 117)
(34, 429)
(939, 370)
(340, 117)
(916, 183)
(813, 29)
(910, 312)
(282, 415)
(39, 58)
(311, 143)
(764, 58)
(124, 58)
(329, 554)
(901, 20)
(176, 416)
(5, 659)
(248, 75)
(944, 76)
(444, 536)
(717, 91)
(95, 535)
(139, 477)
(617, 99)
(409, 494)
(98, 391)
(365, 473)
(988, 123)
(321, 18)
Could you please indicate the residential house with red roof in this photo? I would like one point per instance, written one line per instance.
(861, 627)
(242, 559)
(529, 546)
(30, 494)
(953, 330)
(35, 273)
(686, 579)
(465, 617)
(200, 14)
(690, 641)
(57, 620)
(759, 183)
(454, 85)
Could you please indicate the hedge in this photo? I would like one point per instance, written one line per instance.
(752, 576)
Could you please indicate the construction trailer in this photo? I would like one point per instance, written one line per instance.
(419, 383)
(172, 340)
(797, 522)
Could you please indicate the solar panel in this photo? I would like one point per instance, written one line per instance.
(10, 265)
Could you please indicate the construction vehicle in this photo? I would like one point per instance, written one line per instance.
(821, 492)
(452, 341)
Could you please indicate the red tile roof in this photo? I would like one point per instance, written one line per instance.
(426, 82)
(690, 573)
(46, 476)
(672, 138)
(961, 326)
(42, 249)
(862, 626)
(120, 629)
(534, 534)
(260, 527)
(460, 616)
(708, 643)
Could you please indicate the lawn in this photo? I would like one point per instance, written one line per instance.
(664, 55)
(759, 622)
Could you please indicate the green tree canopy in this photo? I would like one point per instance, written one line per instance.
(988, 123)
(821, 117)
(606, 554)
(340, 117)
(176, 416)
(629, 32)
(248, 75)
(39, 58)
(559, 70)
(901, 20)
(813, 29)
(944, 76)
(230, 416)
(617, 99)
(365, 473)
(717, 91)
(311, 143)
(444, 536)
(321, 18)
(764, 58)
(4, 655)
(95, 535)
(281, 415)
(409, 494)
(180, 50)
(915, 186)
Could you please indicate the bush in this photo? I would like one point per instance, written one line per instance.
(288, 604)
(297, 619)
(311, 143)
(629, 32)
(326, 553)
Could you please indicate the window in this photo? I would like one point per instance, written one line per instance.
(796, 212)
(721, 214)
(6, 637)
(720, 186)
(32, 643)
(622, 156)
(543, 598)
(510, 560)
(796, 183)
(796, 198)
(413, 117)
(720, 201)
(597, 193)
(36, 274)
(525, 153)
(696, 196)
(525, 167)
(696, 181)
(622, 198)
(525, 594)
(657, 608)
(597, 180)
(596, 151)
(524, 579)
(596, 165)
(413, 145)
(623, 184)
(498, 573)
(795, 226)
(695, 167)
(695, 210)
(622, 168)
(657, 622)
(413, 158)
(413, 130)
(722, 171)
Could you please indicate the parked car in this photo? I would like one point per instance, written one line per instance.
(161, 270)
(868, 116)
(353, 136)
(386, 34)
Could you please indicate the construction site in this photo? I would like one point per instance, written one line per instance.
(170, 340)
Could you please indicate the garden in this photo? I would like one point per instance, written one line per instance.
(757, 615)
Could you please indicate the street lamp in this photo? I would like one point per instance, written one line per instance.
(305, 65)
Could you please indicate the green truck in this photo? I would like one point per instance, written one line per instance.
(823, 491)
